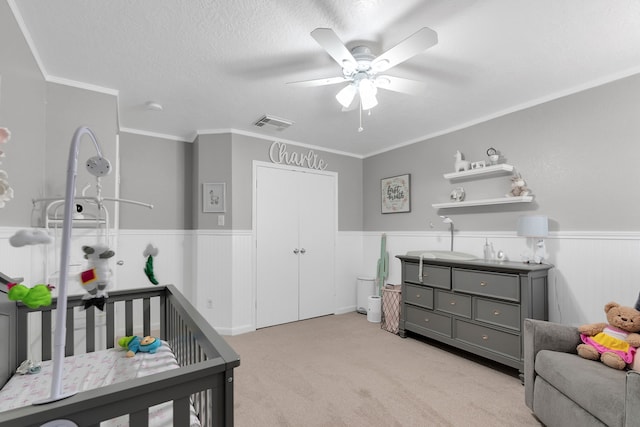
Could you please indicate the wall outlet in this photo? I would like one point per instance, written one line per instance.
(209, 303)
(220, 219)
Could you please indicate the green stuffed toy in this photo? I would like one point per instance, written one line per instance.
(135, 344)
(37, 296)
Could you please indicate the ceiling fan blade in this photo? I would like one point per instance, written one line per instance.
(334, 46)
(399, 84)
(409, 47)
(319, 82)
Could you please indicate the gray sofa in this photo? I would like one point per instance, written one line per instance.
(563, 389)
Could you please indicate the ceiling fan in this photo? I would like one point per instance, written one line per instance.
(362, 70)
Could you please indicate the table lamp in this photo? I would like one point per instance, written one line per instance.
(536, 226)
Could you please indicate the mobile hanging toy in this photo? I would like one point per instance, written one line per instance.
(97, 278)
(150, 252)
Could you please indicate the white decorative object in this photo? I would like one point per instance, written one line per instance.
(518, 187)
(457, 195)
(214, 195)
(500, 169)
(278, 154)
(6, 192)
(460, 164)
(536, 226)
(396, 194)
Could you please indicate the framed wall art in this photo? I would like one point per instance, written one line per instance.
(214, 196)
(396, 194)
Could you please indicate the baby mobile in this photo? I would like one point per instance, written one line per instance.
(38, 295)
(6, 192)
(150, 252)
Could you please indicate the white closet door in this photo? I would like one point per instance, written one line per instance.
(317, 242)
(277, 238)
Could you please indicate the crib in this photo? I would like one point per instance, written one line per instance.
(203, 381)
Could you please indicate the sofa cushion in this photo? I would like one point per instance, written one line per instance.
(597, 388)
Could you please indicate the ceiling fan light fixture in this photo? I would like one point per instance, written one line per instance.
(346, 95)
(367, 91)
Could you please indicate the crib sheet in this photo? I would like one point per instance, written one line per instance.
(92, 370)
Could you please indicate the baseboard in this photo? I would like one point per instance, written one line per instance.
(236, 330)
(347, 309)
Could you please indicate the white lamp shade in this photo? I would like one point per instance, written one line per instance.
(346, 95)
(367, 94)
(533, 226)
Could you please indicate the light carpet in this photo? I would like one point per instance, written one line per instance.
(345, 371)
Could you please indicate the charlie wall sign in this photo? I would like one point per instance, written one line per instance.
(278, 154)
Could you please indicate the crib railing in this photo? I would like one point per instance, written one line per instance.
(204, 379)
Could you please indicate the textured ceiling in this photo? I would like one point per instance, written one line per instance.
(221, 64)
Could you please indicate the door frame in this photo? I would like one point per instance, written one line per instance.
(254, 245)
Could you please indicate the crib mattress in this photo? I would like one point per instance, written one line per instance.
(93, 370)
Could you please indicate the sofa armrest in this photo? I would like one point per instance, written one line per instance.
(632, 399)
(543, 335)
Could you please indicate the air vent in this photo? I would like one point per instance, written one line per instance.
(278, 123)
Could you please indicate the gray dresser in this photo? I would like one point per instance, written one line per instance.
(478, 306)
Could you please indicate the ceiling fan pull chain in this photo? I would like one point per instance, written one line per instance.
(360, 129)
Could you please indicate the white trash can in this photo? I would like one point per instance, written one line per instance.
(366, 288)
(374, 314)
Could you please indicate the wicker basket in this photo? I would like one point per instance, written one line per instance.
(391, 297)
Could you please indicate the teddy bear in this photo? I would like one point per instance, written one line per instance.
(135, 344)
(615, 342)
(518, 186)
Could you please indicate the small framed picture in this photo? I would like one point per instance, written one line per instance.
(396, 194)
(214, 196)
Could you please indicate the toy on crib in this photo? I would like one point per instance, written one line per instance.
(37, 296)
(135, 344)
(613, 343)
(460, 164)
(97, 278)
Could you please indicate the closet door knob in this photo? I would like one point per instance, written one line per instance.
(296, 251)
(303, 251)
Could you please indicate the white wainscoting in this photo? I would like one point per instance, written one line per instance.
(590, 268)
(214, 268)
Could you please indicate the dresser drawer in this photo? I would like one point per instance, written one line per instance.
(453, 303)
(420, 319)
(497, 341)
(497, 313)
(497, 285)
(418, 295)
(432, 275)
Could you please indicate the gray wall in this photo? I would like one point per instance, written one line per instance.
(212, 163)
(23, 111)
(229, 158)
(155, 171)
(579, 154)
(67, 109)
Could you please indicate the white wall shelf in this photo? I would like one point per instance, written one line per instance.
(499, 169)
(484, 202)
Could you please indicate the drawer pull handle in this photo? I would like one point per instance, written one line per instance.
(417, 295)
(496, 312)
(452, 302)
(483, 283)
(485, 337)
(426, 319)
